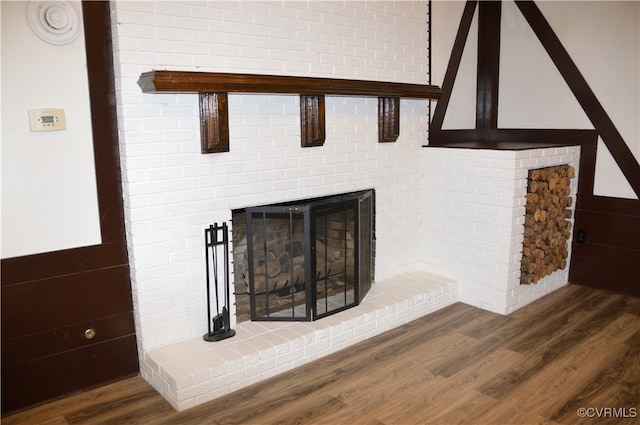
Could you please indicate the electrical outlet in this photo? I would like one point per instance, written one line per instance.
(581, 236)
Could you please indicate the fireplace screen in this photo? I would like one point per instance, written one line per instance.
(309, 259)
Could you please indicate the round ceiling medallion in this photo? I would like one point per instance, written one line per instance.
(56, 22)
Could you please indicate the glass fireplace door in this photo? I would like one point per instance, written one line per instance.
(278, 256)
(336, 245)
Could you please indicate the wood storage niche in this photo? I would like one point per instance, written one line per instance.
(547, 224)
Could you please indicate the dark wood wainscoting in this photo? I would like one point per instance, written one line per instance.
(67, 316)
(606, 247)
(45, 353)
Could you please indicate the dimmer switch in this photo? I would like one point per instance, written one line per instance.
(47, 119)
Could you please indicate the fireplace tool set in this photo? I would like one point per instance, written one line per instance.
(216, 239)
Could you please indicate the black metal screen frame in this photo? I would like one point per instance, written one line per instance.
(285, 211)
(343, 206)
(309, 211)
(365, 284)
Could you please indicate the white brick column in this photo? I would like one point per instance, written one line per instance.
(473, 221)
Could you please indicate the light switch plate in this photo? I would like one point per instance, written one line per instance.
(48, 119)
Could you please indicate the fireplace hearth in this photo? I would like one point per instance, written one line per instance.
(303, 260)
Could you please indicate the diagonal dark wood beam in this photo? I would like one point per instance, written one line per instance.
(452, 71)
(583, 93)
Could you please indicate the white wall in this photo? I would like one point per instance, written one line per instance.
(461, 112)
(49, 199)
(602, 38)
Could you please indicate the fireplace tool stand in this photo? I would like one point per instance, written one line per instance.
(216, 238)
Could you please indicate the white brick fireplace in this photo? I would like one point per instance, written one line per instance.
(173, 192)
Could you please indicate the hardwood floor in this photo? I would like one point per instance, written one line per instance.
(578, 348)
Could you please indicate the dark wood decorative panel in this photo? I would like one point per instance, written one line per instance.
(312, 123)
(214, 122)
(388, 119)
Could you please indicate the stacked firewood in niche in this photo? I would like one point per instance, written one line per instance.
(547, 228)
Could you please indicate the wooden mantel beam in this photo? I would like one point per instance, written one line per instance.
(219, 82)
(213, 87)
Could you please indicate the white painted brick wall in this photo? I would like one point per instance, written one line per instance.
(172, 192)
(473, 221)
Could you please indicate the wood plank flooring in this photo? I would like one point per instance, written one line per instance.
(575, 348)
